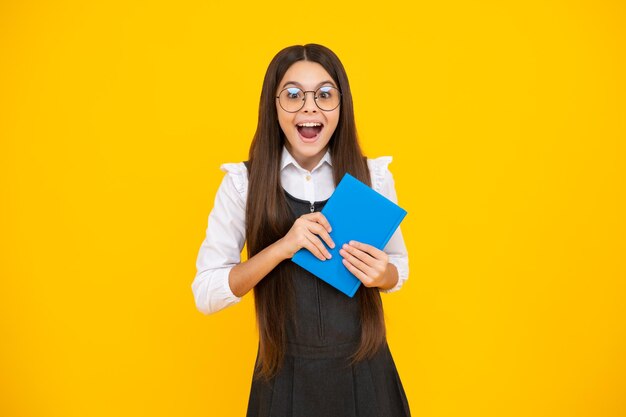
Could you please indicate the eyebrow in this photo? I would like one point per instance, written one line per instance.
(300, 85)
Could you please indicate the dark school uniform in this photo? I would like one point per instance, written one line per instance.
(316, 379)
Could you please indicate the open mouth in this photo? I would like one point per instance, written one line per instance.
(309, 131)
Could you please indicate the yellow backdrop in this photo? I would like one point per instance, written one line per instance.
(506, 121)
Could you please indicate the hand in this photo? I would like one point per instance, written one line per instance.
(304, 234)
(367, 263)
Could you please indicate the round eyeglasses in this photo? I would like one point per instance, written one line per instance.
(292, 99)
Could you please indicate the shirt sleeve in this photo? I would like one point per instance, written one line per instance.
(382, 181)
(221, 249)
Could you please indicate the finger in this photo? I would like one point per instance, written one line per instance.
(318, 243)
(310, 246)
(362, 266)
(316, 247)
(374, 251)
(319, 229)
(357, 273)
(321, 219)
(363, 256)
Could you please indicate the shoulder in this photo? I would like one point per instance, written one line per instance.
(379, 171)
(237, 173)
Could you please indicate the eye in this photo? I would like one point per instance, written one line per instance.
(293, 93)
(325, 92)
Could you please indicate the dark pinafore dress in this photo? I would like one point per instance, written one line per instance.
(316, 379)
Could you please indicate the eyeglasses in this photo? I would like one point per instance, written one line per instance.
(292, 99)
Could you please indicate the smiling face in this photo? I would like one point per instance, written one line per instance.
(308, 151)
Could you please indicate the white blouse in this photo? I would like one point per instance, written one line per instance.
(225, 235)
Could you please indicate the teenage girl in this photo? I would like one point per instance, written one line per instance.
(321, 353)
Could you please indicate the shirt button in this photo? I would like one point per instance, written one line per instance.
(308, 178)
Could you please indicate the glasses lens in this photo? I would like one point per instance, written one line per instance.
(291, 99)
(327, 97)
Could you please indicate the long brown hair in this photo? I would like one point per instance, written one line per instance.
(268, 217)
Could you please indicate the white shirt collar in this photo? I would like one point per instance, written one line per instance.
(286, 159)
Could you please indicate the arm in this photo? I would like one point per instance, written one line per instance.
(244, 276)
(304, 233)
(222, 279)
(396, 248)
(221, 249)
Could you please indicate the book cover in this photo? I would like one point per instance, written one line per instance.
(355, 212)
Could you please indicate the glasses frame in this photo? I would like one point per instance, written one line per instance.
(304, 98)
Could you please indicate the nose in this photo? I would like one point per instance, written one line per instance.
(309, 105)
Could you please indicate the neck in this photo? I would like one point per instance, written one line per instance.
(307, 162)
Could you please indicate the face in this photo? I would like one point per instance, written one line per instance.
(307, 76)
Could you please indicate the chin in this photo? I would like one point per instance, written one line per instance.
(309, 148)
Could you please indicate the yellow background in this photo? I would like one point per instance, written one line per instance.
(506, 121)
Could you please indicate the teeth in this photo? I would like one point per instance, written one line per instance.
(309, 124)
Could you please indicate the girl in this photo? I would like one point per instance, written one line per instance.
(320, 352)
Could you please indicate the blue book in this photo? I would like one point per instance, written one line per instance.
(355, 212)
